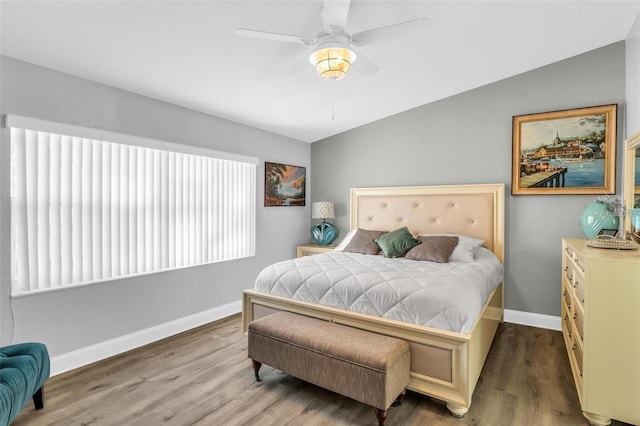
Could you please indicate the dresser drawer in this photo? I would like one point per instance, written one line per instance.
(566, 329)
(578, 320)
(576, 349)
(568, 300)
(578, 286)
(569, 251)
(579, 262)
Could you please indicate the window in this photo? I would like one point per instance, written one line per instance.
(86, 210)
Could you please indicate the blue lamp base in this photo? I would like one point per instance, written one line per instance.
(323, 233)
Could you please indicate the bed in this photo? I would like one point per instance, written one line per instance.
(444, 364)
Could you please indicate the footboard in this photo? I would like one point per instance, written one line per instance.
(444, 365)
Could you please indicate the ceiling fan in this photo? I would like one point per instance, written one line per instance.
(334, 51)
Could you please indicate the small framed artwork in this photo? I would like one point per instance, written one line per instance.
(565, 152)
(608, 232)
(284, 185)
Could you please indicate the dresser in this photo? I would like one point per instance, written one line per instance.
(601, 329)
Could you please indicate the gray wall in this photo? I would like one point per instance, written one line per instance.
(78, 317)
(467, 139)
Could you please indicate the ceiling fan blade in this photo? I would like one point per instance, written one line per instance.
(335, 13)
(386, 32)
(364, 66)
(266, 35)
(294, 65)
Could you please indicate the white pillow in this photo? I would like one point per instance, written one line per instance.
(347, 238)
(465, 250)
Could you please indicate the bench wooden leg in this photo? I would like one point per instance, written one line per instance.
(399, 399)
(38, 398)
(381, 415)
(256, 368)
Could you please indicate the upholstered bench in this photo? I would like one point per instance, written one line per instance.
(368, 367)
(24, 368)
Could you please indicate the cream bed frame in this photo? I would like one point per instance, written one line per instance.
(444, 364)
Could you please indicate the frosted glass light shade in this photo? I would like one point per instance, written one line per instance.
(333, 62)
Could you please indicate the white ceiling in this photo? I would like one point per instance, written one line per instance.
(187, 53)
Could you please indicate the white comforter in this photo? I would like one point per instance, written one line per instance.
(447, 296)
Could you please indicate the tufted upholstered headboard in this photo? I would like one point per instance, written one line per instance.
(476, 210)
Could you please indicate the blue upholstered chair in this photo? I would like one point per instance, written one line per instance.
(24, 368)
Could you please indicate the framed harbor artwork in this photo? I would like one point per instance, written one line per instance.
(565, 152)
(284, 185)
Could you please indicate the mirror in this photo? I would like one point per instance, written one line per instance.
(631, 194)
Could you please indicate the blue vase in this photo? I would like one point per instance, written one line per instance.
(324, 233)
(597, 216)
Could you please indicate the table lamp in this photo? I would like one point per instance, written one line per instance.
(323, 233)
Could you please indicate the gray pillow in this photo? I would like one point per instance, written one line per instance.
(363, 242)
(433, 249)
(396, 243)
(466, 248)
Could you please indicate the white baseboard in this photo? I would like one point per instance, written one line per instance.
(71, 360)
(534, 320)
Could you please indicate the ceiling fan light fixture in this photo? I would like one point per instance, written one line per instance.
(333, 61)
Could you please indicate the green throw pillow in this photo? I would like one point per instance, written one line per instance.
(396, 243)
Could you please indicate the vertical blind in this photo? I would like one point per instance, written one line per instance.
(86, 210)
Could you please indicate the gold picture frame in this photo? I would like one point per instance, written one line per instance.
(565, 152)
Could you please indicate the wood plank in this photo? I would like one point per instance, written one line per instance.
(203, 377)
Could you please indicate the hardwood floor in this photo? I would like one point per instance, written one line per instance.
(203, 377)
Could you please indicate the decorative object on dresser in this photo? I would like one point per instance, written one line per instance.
(603, 213)
(323, 233)
(565, 152)
(311, 249)
(609, 242)
(601, 329)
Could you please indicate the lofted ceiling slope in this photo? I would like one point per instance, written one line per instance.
(187, 52)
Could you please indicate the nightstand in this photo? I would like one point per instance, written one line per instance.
(311, 249)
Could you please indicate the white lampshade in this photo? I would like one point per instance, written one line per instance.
(323, 210)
